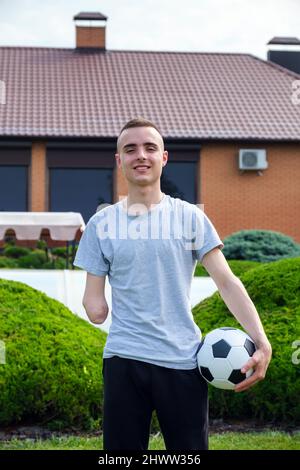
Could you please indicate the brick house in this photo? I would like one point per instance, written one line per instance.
(62, 109)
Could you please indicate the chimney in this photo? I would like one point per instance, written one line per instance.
(285, 51)
(90, 30)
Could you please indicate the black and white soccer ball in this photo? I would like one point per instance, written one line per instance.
(222, 354)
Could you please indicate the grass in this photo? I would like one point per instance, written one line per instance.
(224, 441)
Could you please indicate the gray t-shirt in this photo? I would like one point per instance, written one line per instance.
(150, 261)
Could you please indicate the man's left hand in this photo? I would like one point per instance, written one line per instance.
(259, 362)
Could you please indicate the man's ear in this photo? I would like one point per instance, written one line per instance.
(118, 160)
(165, 157)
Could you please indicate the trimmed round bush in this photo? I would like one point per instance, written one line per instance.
(260, 245)
(275, 291)
(52, 375)
(16, 251)
(41, 244)
(35, 260)
(60, 251)
(238, 267)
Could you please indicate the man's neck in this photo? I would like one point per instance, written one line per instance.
(146, 197)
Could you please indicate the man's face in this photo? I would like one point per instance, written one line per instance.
(141, 155)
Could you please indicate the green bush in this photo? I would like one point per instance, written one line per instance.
(8, 263)
(35, 260)
(57, 263)
(13, 256)
(16, 251)
(260, 245)
(238, 267)
(41, 245)
(54, 359)
(60, 251)
(275, 291)
(52, 374)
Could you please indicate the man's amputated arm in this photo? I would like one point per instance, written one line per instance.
(94, 301)
(241, 306)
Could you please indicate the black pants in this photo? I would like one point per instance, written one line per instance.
(133, 389)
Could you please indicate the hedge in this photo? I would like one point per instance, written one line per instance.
(260, 245)
(52, 374)
(15, 251)
(54, 359)
(8, 263)
(17, 257)
(275, 291)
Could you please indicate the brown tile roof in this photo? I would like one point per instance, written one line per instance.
(65, 92)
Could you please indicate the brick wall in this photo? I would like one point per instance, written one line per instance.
(38, 178)
(236, 201)
(90, 37)
(232, 200)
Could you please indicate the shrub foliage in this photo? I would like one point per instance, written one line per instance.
(52, 374)
(42, 257)
(275, 291)
(260, 245)
(53, 364)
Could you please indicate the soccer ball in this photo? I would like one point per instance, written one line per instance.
(222, 354)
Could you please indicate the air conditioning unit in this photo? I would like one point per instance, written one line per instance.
(253, 159)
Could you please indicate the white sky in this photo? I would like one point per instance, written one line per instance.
(173, 25)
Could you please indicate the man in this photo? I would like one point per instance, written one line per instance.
(148, 244)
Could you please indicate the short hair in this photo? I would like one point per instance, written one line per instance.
(138, 122)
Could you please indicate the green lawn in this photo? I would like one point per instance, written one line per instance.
(223, 441)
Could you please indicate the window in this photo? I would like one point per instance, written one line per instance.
(13, 188)
(80, 190)
(179, 180)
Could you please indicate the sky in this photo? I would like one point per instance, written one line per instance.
(159, 25)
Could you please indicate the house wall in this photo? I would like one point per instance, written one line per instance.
(232, 199)
(236, 200)
(38, 178)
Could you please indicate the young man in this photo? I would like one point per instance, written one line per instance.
(148, 244)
